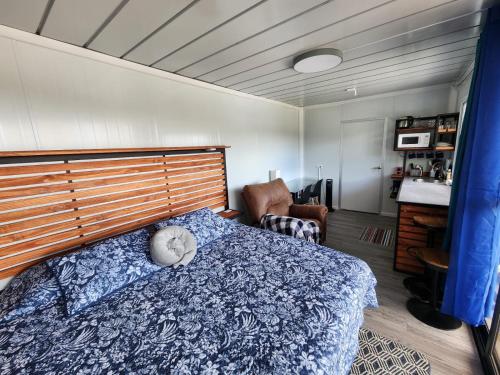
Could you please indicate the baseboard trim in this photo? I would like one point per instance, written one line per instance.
(390, 214)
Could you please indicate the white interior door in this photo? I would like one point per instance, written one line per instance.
(362, 165)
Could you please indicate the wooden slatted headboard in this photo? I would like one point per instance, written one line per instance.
(52, 202)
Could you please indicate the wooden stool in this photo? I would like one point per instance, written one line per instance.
(433, 224)
(436, 262)
(418, 285)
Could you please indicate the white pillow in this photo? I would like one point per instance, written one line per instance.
(173, 246)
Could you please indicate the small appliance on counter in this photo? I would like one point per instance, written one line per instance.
(435, 169)
(416, 170)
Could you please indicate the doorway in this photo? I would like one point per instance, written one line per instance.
(362, 156)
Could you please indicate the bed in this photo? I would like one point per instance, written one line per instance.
(251, 302)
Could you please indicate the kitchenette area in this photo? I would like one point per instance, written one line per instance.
(422, 186)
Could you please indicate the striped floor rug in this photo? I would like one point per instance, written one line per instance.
(379, 355)
(377, 236)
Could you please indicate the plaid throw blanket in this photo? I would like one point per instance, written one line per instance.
(303, 229)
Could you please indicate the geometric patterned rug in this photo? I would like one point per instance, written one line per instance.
(378, 236)
(382, 356)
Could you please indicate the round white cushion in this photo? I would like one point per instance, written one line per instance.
(173, 246)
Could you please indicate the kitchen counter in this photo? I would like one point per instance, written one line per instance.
(416, 199)
(428, 193)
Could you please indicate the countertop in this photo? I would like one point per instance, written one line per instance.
(424, 193)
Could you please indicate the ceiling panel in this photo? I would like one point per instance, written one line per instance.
(249, 45)
(361, 22)
(390, 58)
(455, 63)
(137, 20)
(202, 17)
(267, 15)
(75, 21)
(22, 14)
(331, 13)
(400, 83)
(352, 48)
(383, 66)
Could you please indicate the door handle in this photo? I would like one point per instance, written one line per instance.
(379, 167)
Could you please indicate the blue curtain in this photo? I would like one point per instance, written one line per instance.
(474, 222)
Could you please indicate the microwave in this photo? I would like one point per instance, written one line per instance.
(414, 140)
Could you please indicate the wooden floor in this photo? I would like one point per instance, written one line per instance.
(449, 352)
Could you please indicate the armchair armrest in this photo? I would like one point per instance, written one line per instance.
(317, 212)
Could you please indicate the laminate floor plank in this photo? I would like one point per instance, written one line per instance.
(449, 352)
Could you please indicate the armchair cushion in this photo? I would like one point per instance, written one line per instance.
(268, 198)
(307, 230)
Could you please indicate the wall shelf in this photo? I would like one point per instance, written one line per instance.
(415, 149)
(444, 148)
(447, 134)
(413, 130)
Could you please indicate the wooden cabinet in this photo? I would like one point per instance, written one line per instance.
(409, 234)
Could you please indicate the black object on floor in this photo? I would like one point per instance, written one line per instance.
(418, 288)
(429, 315)
(379, 355)
(436, 264)
(329, 194)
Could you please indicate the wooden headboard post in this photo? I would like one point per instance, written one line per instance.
(225, 174)
(56, 201)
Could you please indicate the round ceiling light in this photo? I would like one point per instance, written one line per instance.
(317, 60)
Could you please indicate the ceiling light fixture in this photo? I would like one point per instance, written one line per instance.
(317, 60)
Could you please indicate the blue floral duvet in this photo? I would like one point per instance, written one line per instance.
(252, 302)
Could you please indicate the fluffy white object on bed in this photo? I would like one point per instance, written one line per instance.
(173, 246)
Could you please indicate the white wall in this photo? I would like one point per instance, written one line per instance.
(57, 96)
(322, 126)
(463, 91)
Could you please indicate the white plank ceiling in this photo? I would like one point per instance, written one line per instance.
(249, 45)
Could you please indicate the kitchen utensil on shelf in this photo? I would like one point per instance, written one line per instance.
(405, 122)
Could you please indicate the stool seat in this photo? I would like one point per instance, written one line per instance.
(433, 258)
(433, 222)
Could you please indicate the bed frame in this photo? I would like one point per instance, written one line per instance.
(53, 202)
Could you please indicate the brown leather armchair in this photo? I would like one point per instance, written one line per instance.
(274, 198)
